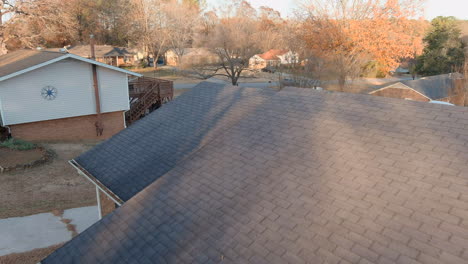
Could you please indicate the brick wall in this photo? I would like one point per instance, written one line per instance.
(401, 94)
(70, 129)
(107, 205)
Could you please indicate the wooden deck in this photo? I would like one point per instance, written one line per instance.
(146, 95)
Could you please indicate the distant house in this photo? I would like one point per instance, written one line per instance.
(115, 56)
(434, 88)
(191, 56)
(273, 58)
(47, 95)
(404, 67)
(402, 70)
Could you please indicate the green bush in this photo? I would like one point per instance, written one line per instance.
(17, 144)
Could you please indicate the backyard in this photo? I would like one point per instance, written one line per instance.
(43, 188)
(51, 187)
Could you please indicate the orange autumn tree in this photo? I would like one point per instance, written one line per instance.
(350, 33)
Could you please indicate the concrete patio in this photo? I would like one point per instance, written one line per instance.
(22, 234)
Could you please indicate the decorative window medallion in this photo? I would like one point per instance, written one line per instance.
(49, 93)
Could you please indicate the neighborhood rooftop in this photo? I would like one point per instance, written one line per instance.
(22, 59)
(273, 54)
(295, 176)
(434, 87)
(100, 51)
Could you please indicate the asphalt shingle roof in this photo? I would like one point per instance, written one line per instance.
(99, 50)
(434, 87)
(300, 177)
(171, 134)
(273, 54)
(22, 59)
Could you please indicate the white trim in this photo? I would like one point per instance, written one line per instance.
(86, 176)
(2, 115)
(128, 92)
(66, 56)
(406, 87)
(98, 203)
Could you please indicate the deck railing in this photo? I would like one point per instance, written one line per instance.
(146, 95)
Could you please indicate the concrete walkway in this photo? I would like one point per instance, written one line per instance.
(22, 234)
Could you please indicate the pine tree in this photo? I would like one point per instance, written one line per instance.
(444, 51)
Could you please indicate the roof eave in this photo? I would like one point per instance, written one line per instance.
(82, 171)
(37, 66)
(65, 56)
(407, 87)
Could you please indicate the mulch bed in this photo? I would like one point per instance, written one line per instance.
(19, 159)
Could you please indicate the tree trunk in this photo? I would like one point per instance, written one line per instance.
(155, 61)
(342, 83)
(234, 80)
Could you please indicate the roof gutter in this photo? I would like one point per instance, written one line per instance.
(82, 171)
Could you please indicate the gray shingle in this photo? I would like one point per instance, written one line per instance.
(150, 148)
(327, 156)
(22, 59)
(434, 87)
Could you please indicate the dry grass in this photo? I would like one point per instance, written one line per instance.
(30, 257)
(12, 157)
(54, 185)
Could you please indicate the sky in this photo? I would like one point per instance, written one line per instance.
(457, 8)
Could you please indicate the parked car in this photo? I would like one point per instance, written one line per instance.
(289, 82)
(269, 69)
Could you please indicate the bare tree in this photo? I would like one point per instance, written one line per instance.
(150, 27)
(234, 41)
(182, 18)
(9, 9)
(270, 29)
(465, 81)
(37, 23)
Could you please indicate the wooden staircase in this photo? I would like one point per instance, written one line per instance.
(147, 95)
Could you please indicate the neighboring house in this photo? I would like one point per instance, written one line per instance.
(191, 56)
(47, 95)
(226, 174)
(273, 58)
(401, 70)
(404, 67)
(434, 88)
(115, 56)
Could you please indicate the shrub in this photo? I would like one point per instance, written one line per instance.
(17, 144)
